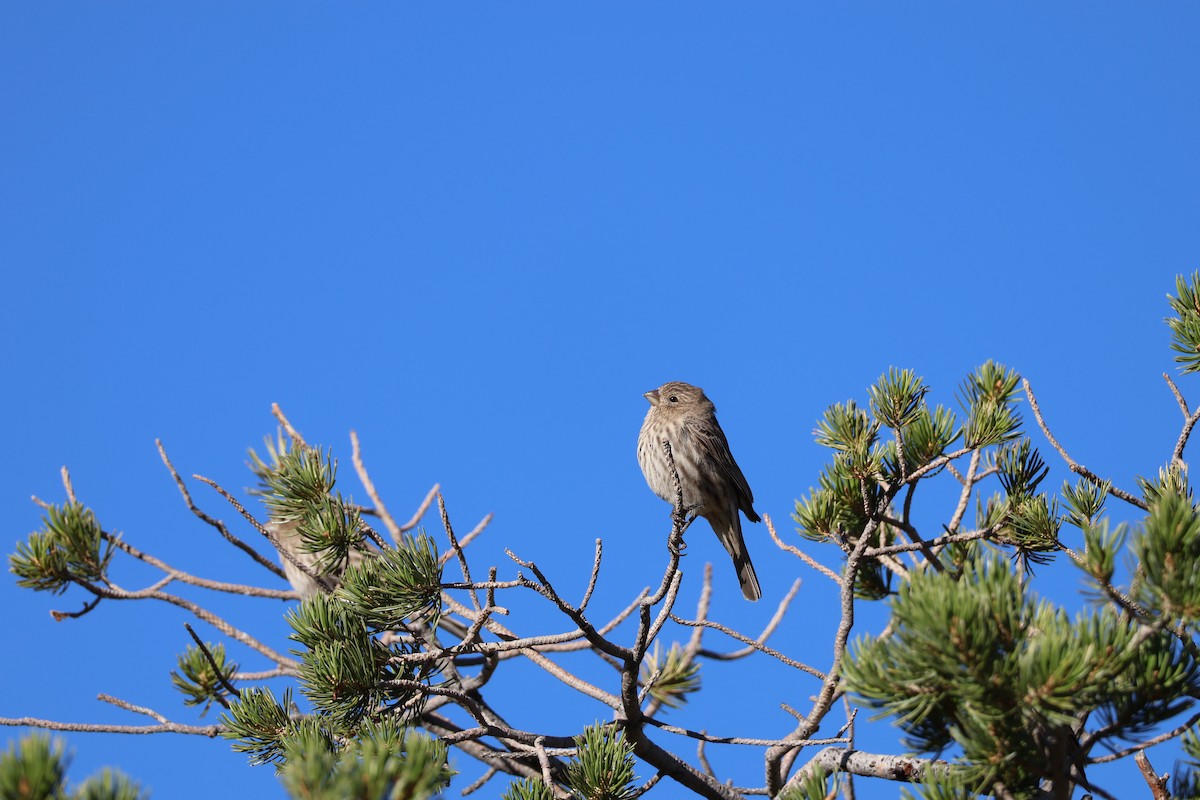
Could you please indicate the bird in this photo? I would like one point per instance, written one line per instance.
(713, 484)
(288, 538)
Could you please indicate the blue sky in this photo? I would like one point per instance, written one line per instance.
(477, 235)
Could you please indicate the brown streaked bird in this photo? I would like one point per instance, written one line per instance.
(713, 485)
(287, 537)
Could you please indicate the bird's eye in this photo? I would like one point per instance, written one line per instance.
(673, 399)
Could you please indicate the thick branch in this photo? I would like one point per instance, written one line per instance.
(679, 770)
(869, 765)
(1157, 783)
(824, 699)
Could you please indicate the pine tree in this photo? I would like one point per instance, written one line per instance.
(998, 691)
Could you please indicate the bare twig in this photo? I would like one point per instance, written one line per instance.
(59, 616)
(799, 717)
(591, 587)
(125, 704)
(798, 553)
(444, 728)
(186, 577)
(1122, 600)
(370, 533)
(742, 740)
(702, 604)
(267, 531)
(703, 759)
(967, 536)
(756, 645)
(573, 640)
(421, 509)
(1074, 465)
(544, 588)
(663, 614)
(936, 464)
(114, 592)
(964, 497)
(528, 650)
(369, 485)
(262, 675)
(1189, 421)
(543, 760)
(753, 644)
(466, 540)
(479, 782)
(1179, 730)
(471, 635)
(220, 526)
(87, 727)
(675, 543)
(648, 785)
(1183, 405)
(457, 550)
(67, 486)
(287, 426)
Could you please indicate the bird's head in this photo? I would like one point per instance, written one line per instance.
(677, 395)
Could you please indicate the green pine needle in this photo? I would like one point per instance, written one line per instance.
(926, 436)
(528, 789)
(71, 547)
(897, 397)
(380, 760)
(33, 768)
(1185, 325)
(1166, 552)
(978, 661)
(846, 428)
(1171, 480)
(401, 582)
(344, 670)
(671, 678)
(110, 784)
(988, 395)
(197, 681)
(815, 786)
(257, 723)
(1084, 501)
(603, 769)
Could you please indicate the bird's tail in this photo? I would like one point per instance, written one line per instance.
(730, 534)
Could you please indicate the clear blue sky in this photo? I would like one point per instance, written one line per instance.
(476, 236)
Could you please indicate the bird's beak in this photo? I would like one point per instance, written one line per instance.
(652, 396)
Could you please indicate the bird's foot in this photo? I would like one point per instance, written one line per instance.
(677, 545)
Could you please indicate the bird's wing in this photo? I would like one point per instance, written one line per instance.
(712, 442)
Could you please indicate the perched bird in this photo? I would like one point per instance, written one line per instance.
(713, 485)
(288, 537)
